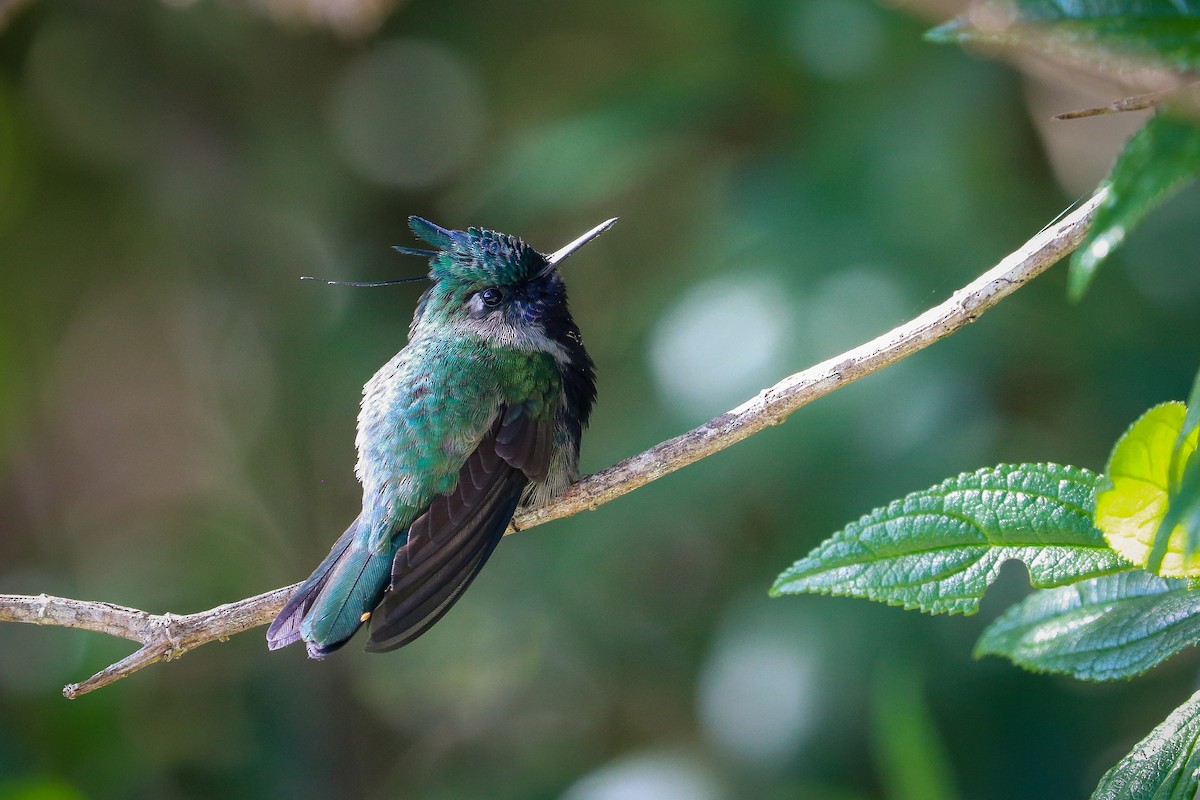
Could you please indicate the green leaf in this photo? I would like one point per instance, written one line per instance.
(1163, 766)
(1130, 508)
(1162, 32)
(1116, 36)
(939, 549)
(1183, 509)
(1116, 626)
(1184, 506)
(1192, 420)
(1156, 162)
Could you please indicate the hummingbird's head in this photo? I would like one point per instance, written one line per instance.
(496, 287)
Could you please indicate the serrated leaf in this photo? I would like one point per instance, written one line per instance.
(1141, 472)
(1163, 766)
(938, 550)
(1116, 626)
(1161, 32)
(1155, 163)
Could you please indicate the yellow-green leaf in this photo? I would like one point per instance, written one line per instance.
(1142, 472)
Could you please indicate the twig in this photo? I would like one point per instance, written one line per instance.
(1189, 94)
(163, 636)
(167, 636)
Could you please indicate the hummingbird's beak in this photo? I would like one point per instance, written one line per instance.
(557, 257)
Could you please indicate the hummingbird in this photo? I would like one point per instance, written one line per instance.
(480, 412)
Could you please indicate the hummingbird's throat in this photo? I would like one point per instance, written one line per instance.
(496, 331)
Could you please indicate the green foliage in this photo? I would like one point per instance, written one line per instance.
(1158, 161)
(1160, 158)
(1183, 509)
(1144, 472)
(1095, 617)
(1058, 10)
(1116, 626)
(1163, 766)
(938, 550)
(1158, 30)
(918, 552)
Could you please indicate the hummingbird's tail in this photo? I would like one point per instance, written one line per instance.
(336, 599)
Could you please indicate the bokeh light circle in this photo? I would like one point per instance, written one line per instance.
(408, 114)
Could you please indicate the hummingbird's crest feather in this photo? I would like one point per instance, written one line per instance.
(436, 235)
(414, 251)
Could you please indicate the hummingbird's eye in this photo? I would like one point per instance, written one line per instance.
(491, 297)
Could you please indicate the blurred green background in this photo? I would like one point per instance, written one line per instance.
(793, 177)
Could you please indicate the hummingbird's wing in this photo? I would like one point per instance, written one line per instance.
(451, 541)
(525, 444)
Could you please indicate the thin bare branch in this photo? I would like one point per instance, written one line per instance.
(772, 406)
(167, 636)
(163, 636)
(1190, 93)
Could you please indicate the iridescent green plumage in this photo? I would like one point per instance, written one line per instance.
(484, 405)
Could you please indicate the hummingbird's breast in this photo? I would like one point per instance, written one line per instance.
(427, 409)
